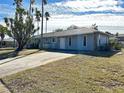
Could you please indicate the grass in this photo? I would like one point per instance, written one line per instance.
(79, 74)
(10, 52)
(6, 50)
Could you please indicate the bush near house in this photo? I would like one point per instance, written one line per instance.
(118, 46)
(114, 44)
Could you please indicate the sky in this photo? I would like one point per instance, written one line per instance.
(107, 14)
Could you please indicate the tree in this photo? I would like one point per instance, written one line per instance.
(37, 16)
(21, 27)
(109, 33)
(72, 27)
(59, 30)
(47, 15)
(94, 26)
(31, 9)
(117, 34)
(3, 31)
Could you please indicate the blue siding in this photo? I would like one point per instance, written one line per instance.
(73, 45)
(89, 42)
(76, 42)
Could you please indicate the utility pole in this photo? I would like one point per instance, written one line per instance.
(46, 25)
(41, 42)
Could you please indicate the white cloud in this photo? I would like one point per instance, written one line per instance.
(105, 22)
(63, 13)
(84, 6)
(100, 19)
(2, 23)
(87, 4)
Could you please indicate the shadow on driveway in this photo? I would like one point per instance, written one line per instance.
(8, 55)
(12, 54)
(90, 53)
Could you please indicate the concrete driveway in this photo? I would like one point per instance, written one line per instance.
(30, 61)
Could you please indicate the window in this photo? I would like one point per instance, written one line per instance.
(53, 39)
(99, 42)
(69, 41)
(85, 41)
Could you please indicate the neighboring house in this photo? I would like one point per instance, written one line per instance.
(75, 39)
(33, 42)
(120, 38)
(8, 42)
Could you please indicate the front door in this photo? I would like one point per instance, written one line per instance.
(62, 43)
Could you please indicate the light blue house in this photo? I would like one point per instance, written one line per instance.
(75, 39)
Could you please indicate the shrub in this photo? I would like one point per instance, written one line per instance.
(115, 45)
(118, 46)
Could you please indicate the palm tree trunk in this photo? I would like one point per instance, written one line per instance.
(30, 13)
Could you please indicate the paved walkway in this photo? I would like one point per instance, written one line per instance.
(30, 61)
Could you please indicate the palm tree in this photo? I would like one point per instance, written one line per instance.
(38, 16)
(31, 9)
(42, 8)
(47, 15)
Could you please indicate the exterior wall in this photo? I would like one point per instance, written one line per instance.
(50, 43)
(102, 40)
(33, 43)
(73, 45)
(120, 38)
(89, 42)
(93, 42)
(76, 42)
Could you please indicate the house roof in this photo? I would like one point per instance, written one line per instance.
(120, 35)
(78, 31)
(8, 39)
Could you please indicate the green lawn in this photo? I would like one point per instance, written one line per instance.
(79, 74)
